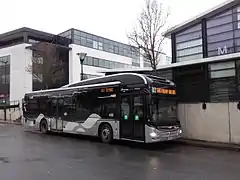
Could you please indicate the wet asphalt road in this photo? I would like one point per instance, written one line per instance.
(33, 156)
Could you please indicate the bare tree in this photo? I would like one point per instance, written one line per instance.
(46, 66)
(146, 35)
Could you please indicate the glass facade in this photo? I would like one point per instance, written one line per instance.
(221, 36)
(189, 44)
(214, 35)
(103, 44)
(222, 85)
(66, 34)
(223, 33)
(50, 66)
(4, 79)
(222, 69)
(103, 63)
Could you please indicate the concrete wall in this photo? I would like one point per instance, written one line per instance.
(219, 122)
(11, 114)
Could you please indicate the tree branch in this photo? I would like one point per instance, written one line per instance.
(147, 33)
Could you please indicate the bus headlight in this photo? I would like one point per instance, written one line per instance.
(180, 131)
(153, 135)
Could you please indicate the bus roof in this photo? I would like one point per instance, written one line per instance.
(76, 87)
(125, 79)
(127, 70)
(110, 78)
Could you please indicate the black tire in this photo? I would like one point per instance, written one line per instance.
(106, 133)
(43, 126)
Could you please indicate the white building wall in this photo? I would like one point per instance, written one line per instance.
(234, 114)
(20, 80)
(74, 62)
(219, 122)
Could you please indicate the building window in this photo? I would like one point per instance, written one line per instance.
(51, 63)
(95, 44)
(189, 51)
(92, 41)
(5, 78)
(238, 17)
(190, 80)
(116, 50)
(222, 81)
(103, 63)
(223, 33)
(223, 69)
(5, 60)
(89, 43)
(66, 34)
(83, 41)
(95, 62)
(189, 44)
(89, 76)
(100, 45)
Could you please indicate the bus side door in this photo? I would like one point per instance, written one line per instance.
(132, 117)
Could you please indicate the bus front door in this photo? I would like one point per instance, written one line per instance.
(132, 117)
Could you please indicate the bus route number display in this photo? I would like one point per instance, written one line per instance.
(107, 90)
(163, 91)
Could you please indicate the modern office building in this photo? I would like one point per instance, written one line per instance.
(206, 69)
(33, 60)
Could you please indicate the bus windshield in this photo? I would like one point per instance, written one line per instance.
(164, 111)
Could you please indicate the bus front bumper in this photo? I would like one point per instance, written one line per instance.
(30, 124)
(153, 135)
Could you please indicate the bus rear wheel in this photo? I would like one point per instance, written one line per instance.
(106, 133)
(43, 126)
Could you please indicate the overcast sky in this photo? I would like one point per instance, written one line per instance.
(108, 18)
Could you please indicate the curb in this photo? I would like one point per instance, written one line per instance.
(199, 143)
(7, 122)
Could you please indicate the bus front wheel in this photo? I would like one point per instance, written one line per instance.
(106, 133)
(43, 126)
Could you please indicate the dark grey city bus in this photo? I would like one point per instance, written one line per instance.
(125, 106)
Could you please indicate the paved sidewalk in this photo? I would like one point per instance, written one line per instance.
(199, 143)
(10, 122)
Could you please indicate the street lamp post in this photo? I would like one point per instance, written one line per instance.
(82, 57)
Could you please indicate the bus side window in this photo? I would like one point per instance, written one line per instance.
(53, 107)
(109, 109)
(66, 105)
(83, 108)
(32, 106)
(96, 108)
(125, 108)
(43, 106)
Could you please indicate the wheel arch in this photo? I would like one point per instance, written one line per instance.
(102, 124)
(43, 118)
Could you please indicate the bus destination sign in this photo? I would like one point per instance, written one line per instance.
(107, 90)
(163, 91)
